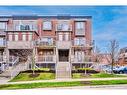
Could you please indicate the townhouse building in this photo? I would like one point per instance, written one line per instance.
(122, 57)
(61, 42)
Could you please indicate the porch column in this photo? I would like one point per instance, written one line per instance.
(54, 53)
(7, 55)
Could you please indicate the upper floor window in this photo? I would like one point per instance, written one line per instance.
(47, 25)
(63, 26)
(79, 25)
(25, 27)
(2, 26)
(10, 37)
(80, 28)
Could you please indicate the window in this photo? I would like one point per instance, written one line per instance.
(79, 25)
(10, 37)
(30, 38)
(60, 37)
(2, 25)
(80, 28)
(63, 26)
(47, 25)
(16, 37)
(24, 36)
(66, 36)
(25, 27)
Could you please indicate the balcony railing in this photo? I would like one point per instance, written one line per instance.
(44, 43)
(46, 59)
(63, 27)
(18, 27)
(85, 59)
(83, 44)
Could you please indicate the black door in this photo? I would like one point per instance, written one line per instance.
(64, 55)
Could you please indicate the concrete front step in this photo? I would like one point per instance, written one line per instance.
(63, 70)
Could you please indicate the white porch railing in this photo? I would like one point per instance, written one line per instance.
(81, 59)
(46, 59)
(21, 67)
(13, 60)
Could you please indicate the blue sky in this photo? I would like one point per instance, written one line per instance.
(109, 22)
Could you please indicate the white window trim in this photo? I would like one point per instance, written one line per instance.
(10, 37)
(16, 37)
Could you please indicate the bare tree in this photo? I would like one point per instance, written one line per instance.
(97, 54)
(113, 51)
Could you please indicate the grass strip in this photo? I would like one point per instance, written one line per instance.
(62, 84)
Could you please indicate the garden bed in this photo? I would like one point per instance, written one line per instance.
(23, 76)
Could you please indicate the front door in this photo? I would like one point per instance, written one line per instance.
(64, 55)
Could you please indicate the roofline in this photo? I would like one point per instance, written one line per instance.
(45, 16)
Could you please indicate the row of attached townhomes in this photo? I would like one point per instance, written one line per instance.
(60, 42)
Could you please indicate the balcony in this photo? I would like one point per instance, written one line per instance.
(63, 44)
(45, 59)
(20, 44)
(86, 59)
(19, 27)
(63, 27)
(87, 44)
(45, 44)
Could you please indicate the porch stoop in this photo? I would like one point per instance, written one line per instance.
(63, 70)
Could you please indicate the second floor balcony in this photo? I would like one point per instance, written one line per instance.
(81, 59)
(23, 27)
(82, 43)
(20, 44)
(45, 42)
(45, 59)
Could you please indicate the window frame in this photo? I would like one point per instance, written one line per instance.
(46, 26)
(5, 26)
(80, 28)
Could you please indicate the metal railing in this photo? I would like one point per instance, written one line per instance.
(85, 59)
(85, 44)
(46, 59)
(13, 60)
(42, 43)
(21, 67)
(60, 27)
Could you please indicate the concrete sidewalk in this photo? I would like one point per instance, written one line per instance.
(63, 80)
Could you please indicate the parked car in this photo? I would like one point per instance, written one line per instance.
(108, 68)
(121, 70)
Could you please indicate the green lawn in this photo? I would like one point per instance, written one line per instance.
(26, 77)
(62, 84)
(98, 75)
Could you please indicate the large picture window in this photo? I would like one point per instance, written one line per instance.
(47, 25)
